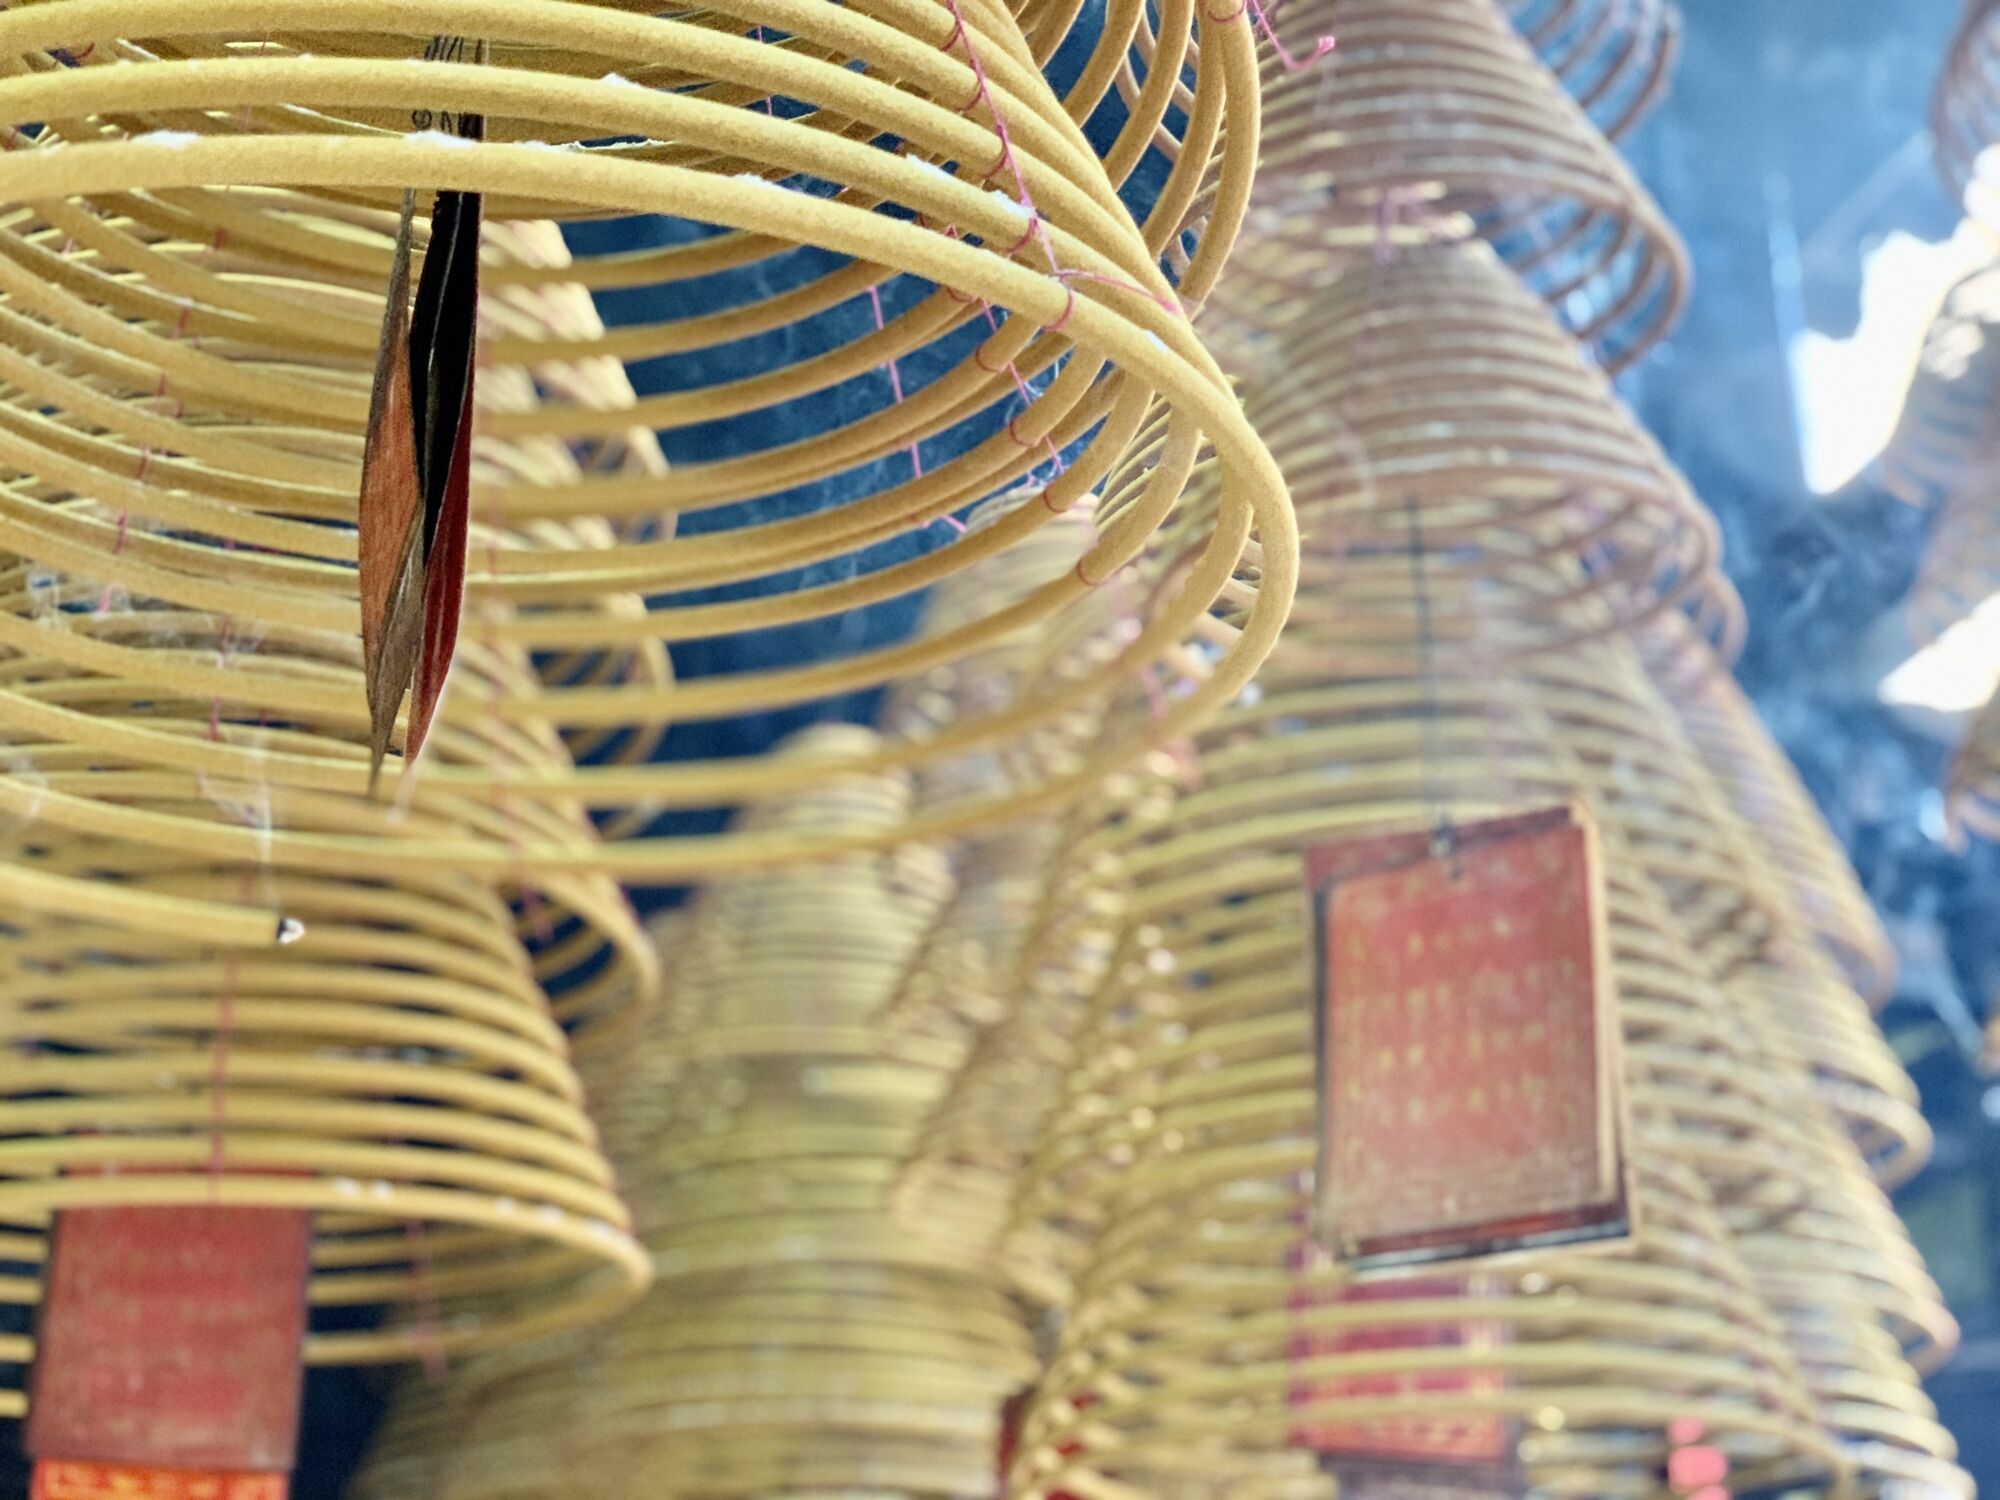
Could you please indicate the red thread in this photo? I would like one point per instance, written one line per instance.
(1068, 308)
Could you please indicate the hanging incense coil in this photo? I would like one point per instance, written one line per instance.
(422, 1104)
(1144, 1117)
(1197, 1100)
(1616, 57)
(1485, 436)
(1079, 279)
(1965, 112)
(1764, 788)
(1947, 427)
(1438, 117)
(1199, 1139)
(802, 1335)
(1960, 568)
(503, 1420)
(1039, 968)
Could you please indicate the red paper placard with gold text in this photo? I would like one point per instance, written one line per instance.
(170, 1338)
(1409, 1319)
(61, 1479)
(1467, 1044)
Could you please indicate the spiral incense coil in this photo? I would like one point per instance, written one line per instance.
(802, 1336)
(1615, 56)
(959, 979)
(1764, 788)
(1070, 330)
(1947, 427)
(1480, 436)
(1436, 112)
(1206, 1079)
(1035, 966)
(1960, 567)
(1965, 112)
(1201, 1136)
(1729, 895)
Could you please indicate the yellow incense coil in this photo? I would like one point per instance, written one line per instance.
(1435, 121)
(399, 1070)
(1960, 567)
(1965, 114)
(801, 1335)
(1432, 401)
(1764, 789)
(1946, 430)
(1085, 330)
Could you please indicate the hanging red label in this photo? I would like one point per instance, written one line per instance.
(169, 1340)
(62, 1479)
(1467, 1042)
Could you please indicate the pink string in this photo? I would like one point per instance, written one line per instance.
(1287, 59)
(1006, 160)
(895, 380)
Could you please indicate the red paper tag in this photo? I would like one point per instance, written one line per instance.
(1468, 1054)
(169, 1339)
(64, 1479)
(1469, 1439)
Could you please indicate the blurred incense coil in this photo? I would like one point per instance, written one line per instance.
(1728, 892)
(1947, 428)
(801, 1335)
(1479, 436)
(1041, 964)
(1615, 56)
(1764, 788)
(1187, 1143)
(1186, 1135)
(1959, 571)
(1175, 1160)
(1965, 111)
(1037, 339)
(1435, 121)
